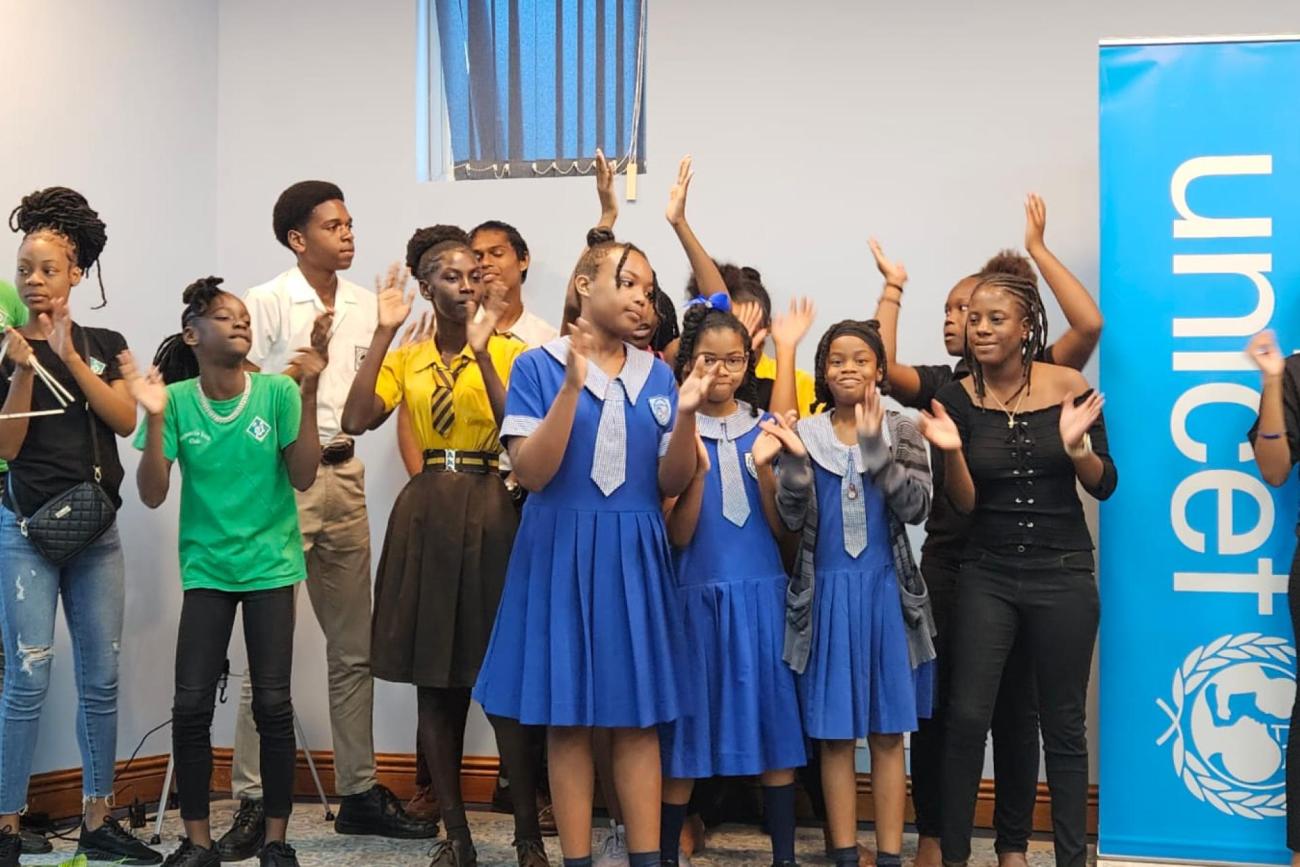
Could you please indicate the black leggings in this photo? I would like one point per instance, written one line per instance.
(1015, 727)
(442, 713)
(207, 619)
(1293, 743)
(1049, 598)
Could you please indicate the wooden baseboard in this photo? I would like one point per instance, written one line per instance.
(58, 793)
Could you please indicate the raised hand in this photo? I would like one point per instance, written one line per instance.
(1075, 420)
(750, 314)
(148, 390)
(580, 343)
(480, 328)
(870, 413)
(676, 212)
(605, 189)
(781, 430)
(310, 362)
(394, 296)
(1035, 222)
(696, 385)
(418, 331)
(893, 272)
(790, 328)
(939, 428)
(58, 329)
(320, 334)
(16, 348)
(1263, 351)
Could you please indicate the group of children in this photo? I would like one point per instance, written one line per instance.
(678, 556)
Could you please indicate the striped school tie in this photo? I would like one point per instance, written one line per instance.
(441, 406)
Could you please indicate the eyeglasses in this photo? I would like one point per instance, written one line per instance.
(733, 363)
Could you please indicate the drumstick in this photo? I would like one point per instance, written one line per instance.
(61, 394)
(40, 412)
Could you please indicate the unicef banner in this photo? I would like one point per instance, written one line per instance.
(1200, 249)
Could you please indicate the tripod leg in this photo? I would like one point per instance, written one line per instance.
(162, 801)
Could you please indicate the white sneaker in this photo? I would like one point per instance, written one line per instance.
(613, 852)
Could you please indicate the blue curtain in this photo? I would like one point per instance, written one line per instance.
(533, 87)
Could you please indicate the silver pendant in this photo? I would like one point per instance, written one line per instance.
(853, 492)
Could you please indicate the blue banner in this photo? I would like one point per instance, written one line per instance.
(1200, 249)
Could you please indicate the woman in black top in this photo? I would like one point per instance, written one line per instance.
(1276, 440)
(49, 455)
(1015, 714)
(1016, 435)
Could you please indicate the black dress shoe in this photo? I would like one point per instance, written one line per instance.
(247, 832)
(111, 842)
(11, 846)
(34, 843)
(378, 813)
(531, 853)
(453, 853)
(190, 855)
(277, 854)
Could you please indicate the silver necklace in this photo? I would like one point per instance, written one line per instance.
(226, 419)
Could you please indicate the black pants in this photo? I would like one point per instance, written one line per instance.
(1015, 727)
(1049, 598)
(1293, 743)
(207, 619)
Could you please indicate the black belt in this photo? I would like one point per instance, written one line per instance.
(338, 453)
(458, 461)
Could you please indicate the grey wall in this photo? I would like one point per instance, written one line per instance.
(813, 125)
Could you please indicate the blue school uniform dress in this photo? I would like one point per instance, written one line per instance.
(587, 629)
(743, 715)
(859, 678)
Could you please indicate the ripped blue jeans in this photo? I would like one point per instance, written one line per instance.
(92, 589)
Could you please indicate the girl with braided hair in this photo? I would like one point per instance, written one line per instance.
(50, 454)
(453, 526)
(858, 628)
(1015, 717)
(231, 431)
(1017, 436)
(731, 586)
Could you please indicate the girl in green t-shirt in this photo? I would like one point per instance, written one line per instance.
(244, 442)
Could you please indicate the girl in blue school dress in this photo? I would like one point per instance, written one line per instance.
(859, 630)
(599, 434)
(731, 586)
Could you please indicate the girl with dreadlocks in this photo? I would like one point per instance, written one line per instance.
(1015, 717)
(451, 530)
(599, 433)
(59, 454)
(731, 588)
(232, 432)
(1016, 435)
(858, 627)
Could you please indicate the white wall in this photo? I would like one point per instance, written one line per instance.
(812, 125)
(118, 100)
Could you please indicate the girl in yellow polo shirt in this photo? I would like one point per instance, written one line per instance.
(453, 525)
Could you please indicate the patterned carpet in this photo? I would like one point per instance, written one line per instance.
(318, 845)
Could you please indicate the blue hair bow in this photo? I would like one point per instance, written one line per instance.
(717, 301)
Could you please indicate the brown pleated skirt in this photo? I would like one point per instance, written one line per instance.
(440, 578)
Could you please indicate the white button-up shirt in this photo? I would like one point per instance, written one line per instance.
(283, 312)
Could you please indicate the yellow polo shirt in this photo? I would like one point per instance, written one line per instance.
(804, 386)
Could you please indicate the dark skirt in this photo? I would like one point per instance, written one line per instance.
(440, 578)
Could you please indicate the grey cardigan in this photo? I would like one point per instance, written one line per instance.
(899, 467)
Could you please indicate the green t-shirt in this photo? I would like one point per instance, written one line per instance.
(13, 314)
(239, 518)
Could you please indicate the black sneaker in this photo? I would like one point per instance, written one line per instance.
(247, 832)
(378, 813)
(34, 843)
(11, 846)
(190, 855)
(111, 842)
(277, 854)
(453, 853)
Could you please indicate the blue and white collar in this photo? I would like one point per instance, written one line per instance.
(635, 372)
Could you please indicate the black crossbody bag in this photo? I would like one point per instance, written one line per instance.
(69, 522)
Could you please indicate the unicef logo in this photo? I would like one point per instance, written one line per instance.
(1230, 713)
